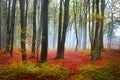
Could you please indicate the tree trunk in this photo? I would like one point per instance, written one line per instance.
(85, 26)
(23, 28)
(12, 27)
(65, 25)
(44, 16)
(8, 36)
(102, 22)
(54, 32)
(39, 32)
(95, 47)
(110, 34)
(59, 31)
(0, 22)
(76, 33)
(34, 30)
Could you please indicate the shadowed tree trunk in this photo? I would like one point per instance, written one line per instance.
(34, 30)
(102, 22)
(8, 28)
(110, 32)
(0, 22)
(59, 30)
(95, 45)
(60, 54)
(23, 28)
(54, 22)
(39, 32)
(75, 20)
(85, 26)
(44, 24)
(12, 27)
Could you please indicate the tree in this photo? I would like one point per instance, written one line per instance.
(23, 28)
(102, 22)
(75, 22)
(34, 30)
(60, 54)
(12, 27)
(85, 25)
(39, 32)
(59, 32)
(0, 21)
(44, 24)
(96, 39)
(8, 28)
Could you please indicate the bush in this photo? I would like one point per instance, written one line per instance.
(110, 71)
(32, 72)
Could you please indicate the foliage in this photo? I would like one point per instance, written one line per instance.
(31, 72)
(110, 71)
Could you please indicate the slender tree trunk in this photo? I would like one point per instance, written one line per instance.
(61, 46)
(95, 46)
(110, 34)
(54, 32)
(44, 15)
(76, 33)
(65, 25)
(8, 36)
(23, 28)
(80, 25)
(39, 29)
(102, 22)
(34, 30)
(26, 12)
(85, 26)
(59, 30)
(12, 27)
(0, 22)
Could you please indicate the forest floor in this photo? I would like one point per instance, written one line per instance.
(72, 60)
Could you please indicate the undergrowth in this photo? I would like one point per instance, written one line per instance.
(109, 71)
(33, 72)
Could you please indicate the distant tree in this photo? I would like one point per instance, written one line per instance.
(75, 22)
(54, 24)
(44, 24)
(85, 24)
(23, 28)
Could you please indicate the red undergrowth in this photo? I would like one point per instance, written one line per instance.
(72, 60)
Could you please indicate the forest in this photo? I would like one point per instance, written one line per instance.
(59, 40)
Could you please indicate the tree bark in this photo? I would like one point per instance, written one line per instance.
(85, 26)
(23, 28)
(0, 22)
(8, 36)
(95, 47)
(44, 16)
(59, 30)
(12, 27)
(75, 20)
(34, 30)
(65, 25)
